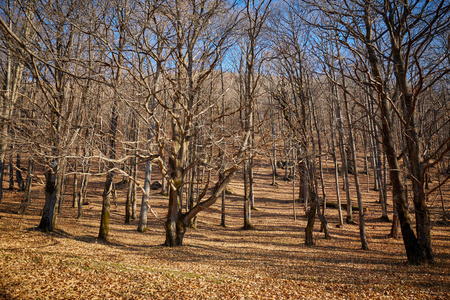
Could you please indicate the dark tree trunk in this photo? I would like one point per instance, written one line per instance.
(413, 249)
(28, 183)
(60, 180)
(47, 220)
(176, 223)
(323, 222)
(175, 228)
(11, 174)
(223, 214)
(412, 246)
(75, 191)
(395, 224)
(311, 214)
(303, 184)
(128, 202)
(2, 171)
(19, 178)
(131, 203)
(247, 203)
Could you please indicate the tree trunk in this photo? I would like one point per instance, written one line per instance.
(412, 247)
(294, 209)
(362, 230)
(324, 226)
(251, 185)
(142, 227)
(60, 180)
(342, 149)
(47, 220)
(2, 171)
(3, 146)
(354, 165)
(311, 214)
(83, 189)
(192, 223)
(75, 191)
(106, 208)
(29, 180)
(247, 205)
(164, 188)
(366, 160)
(11, 170)
(336, 180)
(411, 136)
(75, 182)
(223, 213)
(174, 227)
(335, 161)
(19, 178)
(28, 183)
(274, 155)
(286, 159)
(379, 178)
(395, 223)
(303, 184)
(323, 222)
(223, 207)
(80, 199)
(128, 202)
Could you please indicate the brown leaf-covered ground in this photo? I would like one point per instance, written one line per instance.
(269, 262)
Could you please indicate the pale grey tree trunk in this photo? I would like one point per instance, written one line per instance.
(143, 216)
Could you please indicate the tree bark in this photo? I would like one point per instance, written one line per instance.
(47, 220)
(28, 183)
(19, 178)
(106, 208)
(311, 215)
(335, 162)
(142, 227)
(247, 204)
(342, 149)
(354, 165)
(412, 246)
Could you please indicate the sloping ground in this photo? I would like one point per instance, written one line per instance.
(270, 262)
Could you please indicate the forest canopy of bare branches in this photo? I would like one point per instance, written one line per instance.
(196, 91)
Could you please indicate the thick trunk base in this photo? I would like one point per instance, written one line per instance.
(424, 233)
(174, 233)
(311, 215)
(47, 220)
(248, 226)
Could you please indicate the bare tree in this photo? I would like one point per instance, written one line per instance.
(12, 72)
(399, 38)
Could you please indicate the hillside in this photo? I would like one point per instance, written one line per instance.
(269, 262)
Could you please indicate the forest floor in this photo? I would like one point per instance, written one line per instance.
(269, 262)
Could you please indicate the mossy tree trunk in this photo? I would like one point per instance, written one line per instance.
(311, 217)
(106, 208)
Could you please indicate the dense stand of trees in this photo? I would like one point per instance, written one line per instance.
(199, 87)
